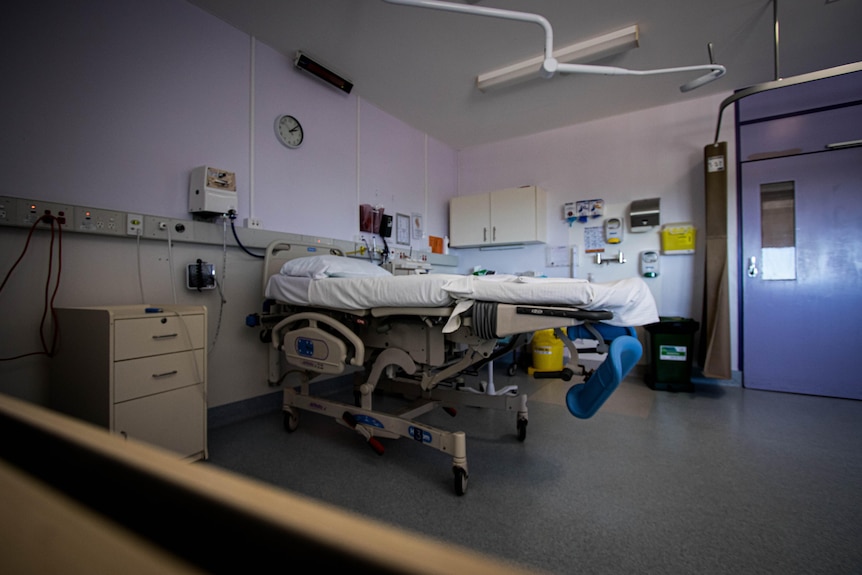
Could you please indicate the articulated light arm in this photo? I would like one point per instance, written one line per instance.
(492, 12)
(550, 66)
(714, 72)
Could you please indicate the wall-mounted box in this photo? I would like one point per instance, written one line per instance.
(212, 191)
(678, 239)
(644, 215)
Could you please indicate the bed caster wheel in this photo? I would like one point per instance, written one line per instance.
(291, 421)
(522, 429)
(460, 480)
(266, 336)
(512, 369)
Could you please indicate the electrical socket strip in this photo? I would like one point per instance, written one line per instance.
(162, 228)
(8, 209)
(27, 212)
(21, 213)
(96, 221)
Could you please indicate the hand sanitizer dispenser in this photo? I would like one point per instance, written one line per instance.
(613, 230)
(649, 264)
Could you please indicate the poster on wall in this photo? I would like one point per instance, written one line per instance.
(418, 229)
(402, 229)
(594, 239)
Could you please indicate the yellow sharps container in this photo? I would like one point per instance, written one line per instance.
(547, 351)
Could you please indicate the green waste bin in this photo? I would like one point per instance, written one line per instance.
(671, 353)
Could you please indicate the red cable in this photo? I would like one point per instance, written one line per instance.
(48, 305)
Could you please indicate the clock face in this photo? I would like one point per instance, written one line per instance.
(289, 131)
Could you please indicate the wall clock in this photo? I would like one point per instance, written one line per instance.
(289, 131)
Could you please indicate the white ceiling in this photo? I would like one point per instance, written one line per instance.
(420, 65)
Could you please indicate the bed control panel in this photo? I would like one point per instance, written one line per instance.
(316, 350)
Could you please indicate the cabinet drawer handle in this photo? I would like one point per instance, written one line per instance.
(165, 374)
(166, 336)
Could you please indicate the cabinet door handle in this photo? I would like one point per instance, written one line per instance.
(484, 234)
(166, 336)
(494, 234)
(165, 374)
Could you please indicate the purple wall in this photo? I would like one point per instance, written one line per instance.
(111, 104)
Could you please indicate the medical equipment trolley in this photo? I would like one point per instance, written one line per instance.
(137, 370)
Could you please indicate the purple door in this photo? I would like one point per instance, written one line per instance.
(801, 232)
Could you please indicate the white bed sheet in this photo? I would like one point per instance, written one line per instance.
(629, 300)
(425, 290)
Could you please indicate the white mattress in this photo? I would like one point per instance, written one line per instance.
(630, 299)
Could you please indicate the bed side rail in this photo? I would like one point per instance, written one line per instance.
(314, 348)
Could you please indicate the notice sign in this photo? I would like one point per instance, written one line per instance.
(672, 352)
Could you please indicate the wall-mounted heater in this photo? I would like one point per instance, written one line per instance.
(303, 62)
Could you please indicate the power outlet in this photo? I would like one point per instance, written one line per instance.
(253, 223)
(7, 211)
(134, 224)
(29, 212)
(164, 228)
(96, 221)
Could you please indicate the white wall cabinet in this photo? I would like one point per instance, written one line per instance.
(141, 375)
(510, 216)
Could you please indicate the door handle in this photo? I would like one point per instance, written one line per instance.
(752, 267)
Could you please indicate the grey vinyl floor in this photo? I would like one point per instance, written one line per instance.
(718, 480)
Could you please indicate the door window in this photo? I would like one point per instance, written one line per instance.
(778, 230)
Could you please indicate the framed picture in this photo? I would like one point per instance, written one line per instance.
(418, 228)
(402, 229)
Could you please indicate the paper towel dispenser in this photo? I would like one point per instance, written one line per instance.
(644, 215)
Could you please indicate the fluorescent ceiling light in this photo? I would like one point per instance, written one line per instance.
(580, 53)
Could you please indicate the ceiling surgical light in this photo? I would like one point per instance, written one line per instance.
(550, 65)
(582, 53)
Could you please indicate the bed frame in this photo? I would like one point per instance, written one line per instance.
(406, 350)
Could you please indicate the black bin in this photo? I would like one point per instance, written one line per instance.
(671, 353)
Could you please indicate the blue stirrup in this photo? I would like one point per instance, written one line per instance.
(585, 399)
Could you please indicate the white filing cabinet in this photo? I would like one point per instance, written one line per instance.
(510, 216)
(141, 375)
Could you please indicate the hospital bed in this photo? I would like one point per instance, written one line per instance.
(325, 315)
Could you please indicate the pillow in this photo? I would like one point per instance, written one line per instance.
(318, 267)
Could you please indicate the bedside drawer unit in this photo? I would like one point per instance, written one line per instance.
(141, 375)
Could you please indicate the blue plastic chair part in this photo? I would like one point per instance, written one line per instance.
(585, 399)
(608, 332)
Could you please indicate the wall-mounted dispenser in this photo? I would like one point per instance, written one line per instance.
(649, 264)
(613, 230)
(644, 215)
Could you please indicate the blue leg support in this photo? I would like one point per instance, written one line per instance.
(585, 399)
